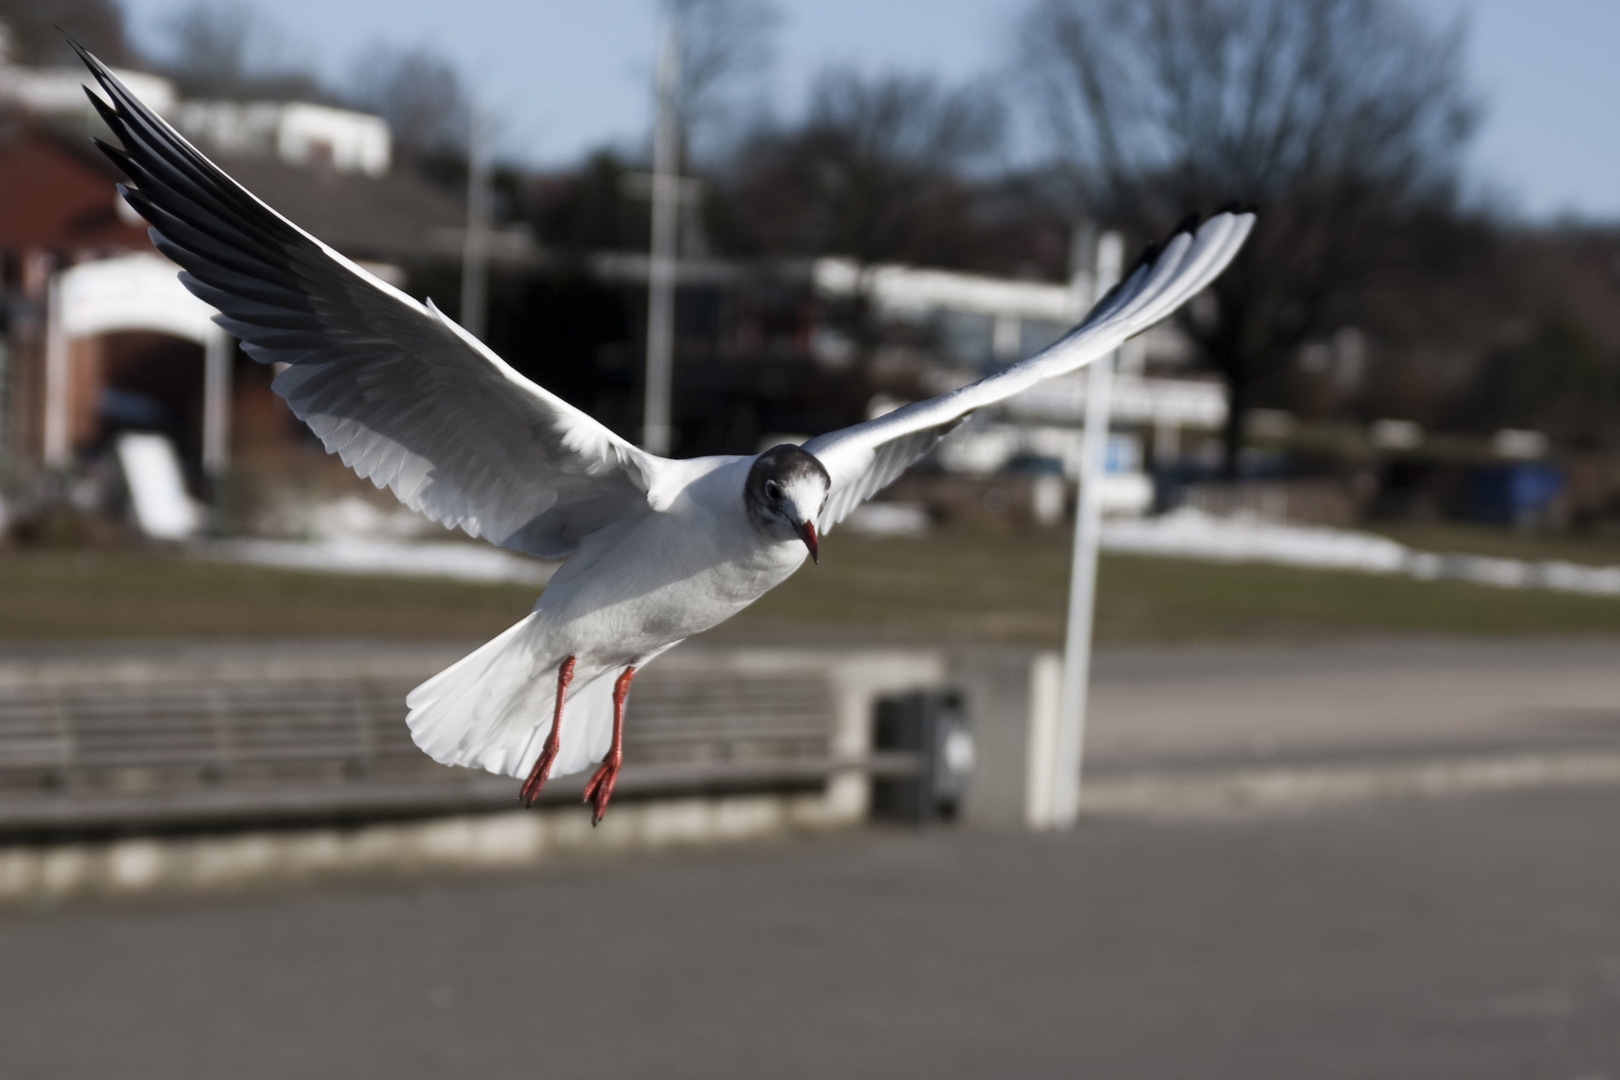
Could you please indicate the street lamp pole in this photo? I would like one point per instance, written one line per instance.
(475, 245)
(656, 433)
(1083, 577)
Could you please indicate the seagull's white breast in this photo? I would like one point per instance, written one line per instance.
(671, 574)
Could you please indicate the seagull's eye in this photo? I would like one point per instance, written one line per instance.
(773, 491)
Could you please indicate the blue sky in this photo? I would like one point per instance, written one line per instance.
(565, 76)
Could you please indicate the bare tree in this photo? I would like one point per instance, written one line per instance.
(419, 93)
(36, 31)
(873, 172)
(232, 50)
(725, 46)
(869, 170)
(1344, 120)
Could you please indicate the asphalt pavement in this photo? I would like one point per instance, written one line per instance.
(1389, 698)
(1472, 937)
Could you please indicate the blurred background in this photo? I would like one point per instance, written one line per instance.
(1349, 802)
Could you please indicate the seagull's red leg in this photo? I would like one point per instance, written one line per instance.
(548, 753)
(600, 789)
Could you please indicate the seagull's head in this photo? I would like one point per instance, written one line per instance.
(784, 493)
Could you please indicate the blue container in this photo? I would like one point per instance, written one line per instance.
(1514, 494)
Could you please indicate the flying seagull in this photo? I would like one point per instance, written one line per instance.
(657, 549)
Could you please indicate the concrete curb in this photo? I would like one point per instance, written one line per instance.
(1172, 793)
(507, 839)
(134, 866)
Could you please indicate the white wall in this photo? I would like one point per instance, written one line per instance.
(296, 132)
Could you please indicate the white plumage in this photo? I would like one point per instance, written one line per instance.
(657, 549)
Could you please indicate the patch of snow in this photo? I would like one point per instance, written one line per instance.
(460, 561)
(1193, 534)
(890, 519)
(352, 517)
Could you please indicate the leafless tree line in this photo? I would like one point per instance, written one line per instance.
(1344, 122)
(232, 49)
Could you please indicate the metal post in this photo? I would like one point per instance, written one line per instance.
(475, 246)
(58, 380)
(216, 434)
(661, 269)
(1083, 578)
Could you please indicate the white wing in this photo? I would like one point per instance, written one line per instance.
(865, 458)
(406, 397)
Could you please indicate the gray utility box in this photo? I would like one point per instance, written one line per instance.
(932, 724)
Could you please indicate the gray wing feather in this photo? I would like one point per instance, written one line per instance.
(402, 394)
(865, 458)
(889, 460)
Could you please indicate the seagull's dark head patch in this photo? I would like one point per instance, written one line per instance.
(784, 493)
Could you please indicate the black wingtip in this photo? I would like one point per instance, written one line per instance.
(1192, 223)
(103, 74)
(137, 202)
(90, 61)
(104, 78)
(1149, 252)
(1189, 225)
(1195, 221)
(107, 112)
(114, 152)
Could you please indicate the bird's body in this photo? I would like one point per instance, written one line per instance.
(657, 550)
(675, 572)
(631, 591)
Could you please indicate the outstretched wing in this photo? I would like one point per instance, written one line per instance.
(865, 458)
(401, 393)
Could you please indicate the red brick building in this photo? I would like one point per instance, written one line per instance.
(99, 336)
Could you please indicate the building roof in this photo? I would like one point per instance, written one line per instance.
(57, 192)
(386, 218)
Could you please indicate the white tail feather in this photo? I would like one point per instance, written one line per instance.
(492, 709)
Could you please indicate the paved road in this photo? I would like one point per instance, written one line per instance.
(1383, 698)
(1472, 938)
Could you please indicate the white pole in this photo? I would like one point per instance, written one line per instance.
(1083, 577)
(656, 435)
(58, 380)
(475, 246)
(216, 441)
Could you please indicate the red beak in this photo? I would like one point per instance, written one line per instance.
(807, 533)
